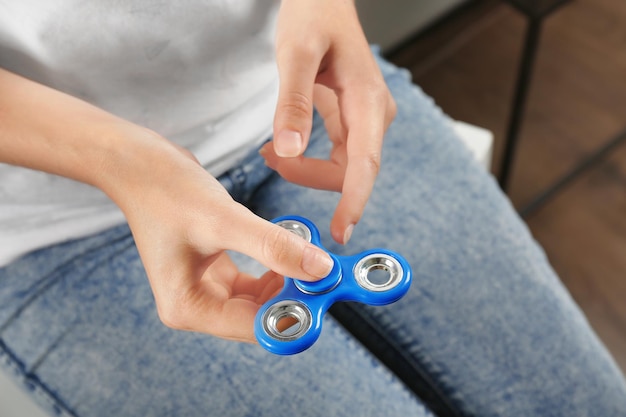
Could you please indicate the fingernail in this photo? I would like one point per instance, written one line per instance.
(288, 143)
(316, 262)
(348, 233)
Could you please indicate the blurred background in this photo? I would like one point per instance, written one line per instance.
(548, 78)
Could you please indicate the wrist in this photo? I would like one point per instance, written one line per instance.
(131, 161)
(47, 130)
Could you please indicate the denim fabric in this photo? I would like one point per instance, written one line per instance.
(486, 320)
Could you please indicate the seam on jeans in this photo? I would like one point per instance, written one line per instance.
(420, 380)
(42, 357)
(10, 359)
(357, 347)
(36, 389)
(45, 282)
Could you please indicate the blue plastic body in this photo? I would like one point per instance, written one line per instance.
(339, 285)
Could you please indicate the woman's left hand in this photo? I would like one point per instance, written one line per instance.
(325, 61)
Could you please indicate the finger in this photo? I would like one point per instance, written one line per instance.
(327, 105)
(297, 68)
(308, 172)
(260, 289)
(268, 286)
(275, 247)
(365, 115)
(219, 303)
(233, 318)
(315, 173)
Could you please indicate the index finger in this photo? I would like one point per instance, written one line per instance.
(297, 67)
(366, 118)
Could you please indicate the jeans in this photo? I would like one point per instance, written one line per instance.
(487, 328)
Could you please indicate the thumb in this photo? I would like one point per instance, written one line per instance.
(278, 249)
(294, 110)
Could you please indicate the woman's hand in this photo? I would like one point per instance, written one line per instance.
(325, 60)
(182, 219)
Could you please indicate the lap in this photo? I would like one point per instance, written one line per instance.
(86, 337)
(486, 320)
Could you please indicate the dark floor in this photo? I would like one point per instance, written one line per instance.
(577, 103)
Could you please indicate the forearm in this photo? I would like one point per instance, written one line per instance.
(47, 130)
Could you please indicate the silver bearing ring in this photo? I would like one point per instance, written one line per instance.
(297, 228)
(287, 320)
(378, 272)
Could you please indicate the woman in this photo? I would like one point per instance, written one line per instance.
(135, 143)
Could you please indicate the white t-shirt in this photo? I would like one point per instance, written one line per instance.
(199, 72)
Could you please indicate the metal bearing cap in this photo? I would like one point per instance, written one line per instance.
(296, 227)
(287, 320)
(307, 230)
(292, 321)
(378, 272)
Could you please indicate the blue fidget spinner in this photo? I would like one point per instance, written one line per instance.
(292, 321)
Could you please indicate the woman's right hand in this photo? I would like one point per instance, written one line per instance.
(182, 219)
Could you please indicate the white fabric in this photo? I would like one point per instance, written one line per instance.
(199, 72)
(478, 140)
